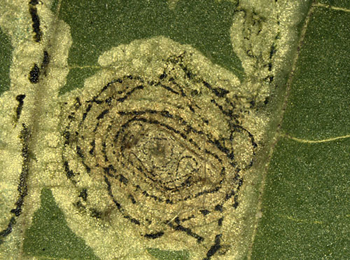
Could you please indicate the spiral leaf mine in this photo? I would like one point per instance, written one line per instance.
(161, 148)
(166, 150)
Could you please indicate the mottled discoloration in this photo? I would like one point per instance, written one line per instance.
(159, 147)
(165, 147)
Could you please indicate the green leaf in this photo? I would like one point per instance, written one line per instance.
(305, 212)
(319, 99)
(305, 203)
(5, 49)
(284, 67)
(49, 235)
(202, 24)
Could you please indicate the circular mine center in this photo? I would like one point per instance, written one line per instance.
(163, 159)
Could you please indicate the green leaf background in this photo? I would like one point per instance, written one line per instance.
(304, 207)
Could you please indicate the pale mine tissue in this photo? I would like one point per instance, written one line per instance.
(158, 149)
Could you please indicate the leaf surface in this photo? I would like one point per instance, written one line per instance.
(302, 172)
